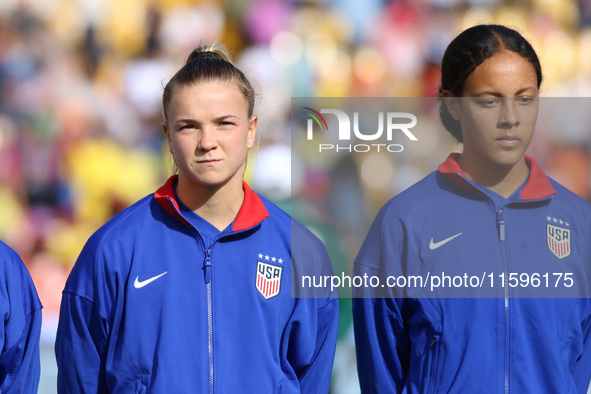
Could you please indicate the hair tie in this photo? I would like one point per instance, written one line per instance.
(205, 55)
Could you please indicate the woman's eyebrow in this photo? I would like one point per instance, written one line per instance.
(526, 89)
(497, 94)
(218, 119)
(224, 117)
(487, 93)
(186, 121)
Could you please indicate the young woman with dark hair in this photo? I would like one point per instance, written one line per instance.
(467, 51)
(491, 208)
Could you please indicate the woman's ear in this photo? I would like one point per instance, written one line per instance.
(253, 123)
(167, 134)
(453, 104)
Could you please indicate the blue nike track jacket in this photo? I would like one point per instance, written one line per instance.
(478, 345)
(19, 337)
(149, 309)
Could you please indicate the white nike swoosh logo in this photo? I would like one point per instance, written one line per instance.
(433, 245)
(138, 285)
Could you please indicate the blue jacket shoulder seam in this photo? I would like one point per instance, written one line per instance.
(85, 298)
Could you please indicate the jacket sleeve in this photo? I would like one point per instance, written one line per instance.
(314, 376)
(83, 328)
(79, 345)
(380, 318)
(382, 344)
(311, 333)
(581, 371)
(19, 361)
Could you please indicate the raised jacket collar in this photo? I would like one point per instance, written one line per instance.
(537, 187)
(251, 213)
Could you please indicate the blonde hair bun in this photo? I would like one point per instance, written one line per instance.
(213, 51)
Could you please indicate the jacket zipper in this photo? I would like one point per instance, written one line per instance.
(208, 268)
(435, 351)
(506, 317)
(207, 264)
(209, 317)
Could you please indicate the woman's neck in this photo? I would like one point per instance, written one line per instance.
(503, 180)
(218, 204)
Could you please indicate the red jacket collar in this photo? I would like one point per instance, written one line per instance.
(251, 213)
(537, 187)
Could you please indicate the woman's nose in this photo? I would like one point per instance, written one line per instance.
(207, 139)
(509, 115)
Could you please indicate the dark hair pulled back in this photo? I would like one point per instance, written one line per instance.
(467, 51)
(209, 63)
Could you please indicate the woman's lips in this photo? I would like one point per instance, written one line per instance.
(508, 142)
(209, 162)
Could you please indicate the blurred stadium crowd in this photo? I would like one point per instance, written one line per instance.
(80, 116)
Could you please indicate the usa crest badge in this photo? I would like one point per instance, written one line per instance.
(558, 240)
(268, 280)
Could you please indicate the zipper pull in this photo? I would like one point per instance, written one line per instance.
(207, 266)
(434, 340)
(501, 224)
